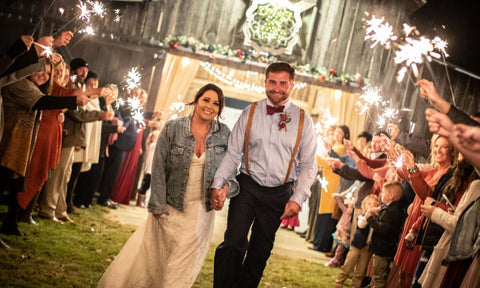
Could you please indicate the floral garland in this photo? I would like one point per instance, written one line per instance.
(323, 74)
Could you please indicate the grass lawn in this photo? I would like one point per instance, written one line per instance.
(76, 255)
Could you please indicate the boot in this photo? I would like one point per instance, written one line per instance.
(142, 201)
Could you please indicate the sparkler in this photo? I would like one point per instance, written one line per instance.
(133, 78)
(379, 32)
(87, 30)
(84, 12)
(98, 8)
(372, 97)
(117, 16)
(47, 50)
(323, 182)
(61, 11)
(399, 162)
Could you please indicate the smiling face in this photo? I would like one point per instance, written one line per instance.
(41, 78)
(278, 87)
(207, 106)
(441, 151)
(81, 73)
(338, 135)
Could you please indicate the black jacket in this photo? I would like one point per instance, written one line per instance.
(387, 227)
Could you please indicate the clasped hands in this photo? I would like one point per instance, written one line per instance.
(218, 197)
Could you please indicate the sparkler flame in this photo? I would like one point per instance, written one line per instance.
(61, 11)
(133, 78)
(84, 12)
(399, 162)
(87, 30)
(379, 32)
(323, 182)
(98, 8)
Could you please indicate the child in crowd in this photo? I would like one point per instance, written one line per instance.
(342, 234)
(386, 222)
(358, 256)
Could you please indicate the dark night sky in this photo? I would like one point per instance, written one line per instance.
(462, 30)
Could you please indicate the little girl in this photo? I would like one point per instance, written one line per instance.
(358, 256)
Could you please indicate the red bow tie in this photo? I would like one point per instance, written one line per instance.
(272, 109)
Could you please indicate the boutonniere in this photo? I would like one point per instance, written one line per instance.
(284, 119)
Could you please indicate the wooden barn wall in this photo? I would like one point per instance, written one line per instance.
(332, 35)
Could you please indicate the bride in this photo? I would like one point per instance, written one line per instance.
(169, 249)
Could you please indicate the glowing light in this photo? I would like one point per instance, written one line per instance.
(84, 12)
(372, 97)
(117, 16)
(98, 8)
(61, 11)
(136, 110)
(323, 182)
(399, 162)
(47, 50)
(379, 32)
(87, 30)
(133, 78)
(440, 45)
(401, 74)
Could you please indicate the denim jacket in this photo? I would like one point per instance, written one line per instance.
(172, 159)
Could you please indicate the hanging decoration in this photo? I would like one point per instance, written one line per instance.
(272, 26)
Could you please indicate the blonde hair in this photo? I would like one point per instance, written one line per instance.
(394, 188)
(372, 197)
(453, 153)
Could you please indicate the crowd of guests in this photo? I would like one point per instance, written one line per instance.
(399, 210)
(63, 138)
(394, 211)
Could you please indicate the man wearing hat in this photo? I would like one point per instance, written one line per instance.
(79, 68)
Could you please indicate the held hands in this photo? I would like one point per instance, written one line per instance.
(56, 58)
(291, 210)
(219, 196)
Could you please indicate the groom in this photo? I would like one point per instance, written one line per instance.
(275, 143)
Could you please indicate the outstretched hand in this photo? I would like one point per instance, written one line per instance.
(291, 210)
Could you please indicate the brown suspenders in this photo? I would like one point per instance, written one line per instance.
(295, 149)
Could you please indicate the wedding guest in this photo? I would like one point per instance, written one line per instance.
(386, 222)
(169, 249)
(358, 256)
(23, 98)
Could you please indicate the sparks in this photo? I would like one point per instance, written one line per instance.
(98, 8)
(47, 50)
(407, 29)
(379, 32)
(61, 11)
(84, 12)
(87, 30)
(372, 97)
(133, 78)
(117, 16)
(440, 45)
(399, 162)
(401, 74)
(324, 183)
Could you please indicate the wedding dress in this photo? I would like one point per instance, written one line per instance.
(168, 251)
